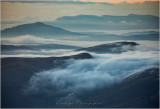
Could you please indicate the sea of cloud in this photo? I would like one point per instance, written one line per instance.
(103, 70)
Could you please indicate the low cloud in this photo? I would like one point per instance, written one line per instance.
(34, 40)
(84, 75)
(34, 53)
(30, 39)
(26, 39)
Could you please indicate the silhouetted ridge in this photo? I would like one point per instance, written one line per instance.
(116, 47)
(16, 73)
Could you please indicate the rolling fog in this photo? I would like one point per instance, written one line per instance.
(103, 70)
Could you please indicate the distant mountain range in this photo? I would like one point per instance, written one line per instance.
(40, 29)
(106, 22)
(37, 29)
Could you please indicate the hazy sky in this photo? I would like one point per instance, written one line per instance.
(14, 13)
(116, 1)
(110, 1)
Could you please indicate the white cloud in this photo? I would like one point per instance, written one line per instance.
(29, 39)
(124, 22)
(26, 39)
(101, 71)
(34, 53)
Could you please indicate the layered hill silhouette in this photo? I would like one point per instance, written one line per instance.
(47, 31)
(43, 30)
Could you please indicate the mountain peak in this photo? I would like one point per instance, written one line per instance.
(37, 29)
(39, 23)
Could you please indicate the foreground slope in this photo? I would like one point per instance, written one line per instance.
(16, 73)
(140, 90)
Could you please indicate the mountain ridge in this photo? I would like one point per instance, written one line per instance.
(116, 47)
(37, 29)
(106, 22)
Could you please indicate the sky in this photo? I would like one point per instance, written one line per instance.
(116, 1)
(109, 1)
(15, 13)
